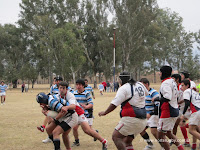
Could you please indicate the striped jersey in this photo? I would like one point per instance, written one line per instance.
(54, 89)
(89, 88)
(56, 102)
(85, 98)
(101, 87)
(149, 105)
(3, 88)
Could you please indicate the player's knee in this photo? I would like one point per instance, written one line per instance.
(87, 131)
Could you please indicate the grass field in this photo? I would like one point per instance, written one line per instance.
(21, 114)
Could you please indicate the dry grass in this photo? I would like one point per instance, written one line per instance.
(21, 115)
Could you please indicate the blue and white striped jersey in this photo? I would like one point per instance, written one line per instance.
(3, 88)
(85, 98)
(56, 102)
(54, 89)
(149, 105)
(89, 88)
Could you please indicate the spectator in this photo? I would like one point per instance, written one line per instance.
(104, 84)
(108, 86)
(23, 86)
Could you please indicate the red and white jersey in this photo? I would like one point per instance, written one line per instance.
(194, 97)
(169, 91)
(180, 97)
(138, 100)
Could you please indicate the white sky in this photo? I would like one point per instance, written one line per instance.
(187, 9)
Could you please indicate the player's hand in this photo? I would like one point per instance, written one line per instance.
(102, 113)
(148, 116)
(44, 112)
(64, 109)
(94, 97)
(84, 106)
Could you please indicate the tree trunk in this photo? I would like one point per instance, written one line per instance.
(74, 76)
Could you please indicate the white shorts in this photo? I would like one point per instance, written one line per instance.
(82, 118)
(3, 94)
(195, 118)
(100, 90)
(187, 113)
(71, 120)
(153, 121)
(131, 126)
(90, 121)
(166, 124)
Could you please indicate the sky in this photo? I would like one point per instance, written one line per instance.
(187, 9)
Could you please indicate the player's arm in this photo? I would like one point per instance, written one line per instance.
(187, 104)
(110, 108)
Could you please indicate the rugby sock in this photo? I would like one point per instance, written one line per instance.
(103, 141)
(43, 126)
(129, 147)
(180, 147)
(56, 143)
(187, 126)
(146, 137)
(184, 132)
(51, 137)
(194, 146)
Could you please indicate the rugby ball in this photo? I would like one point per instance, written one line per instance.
(52, 114)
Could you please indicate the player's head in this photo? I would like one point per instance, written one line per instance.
(63, 87)
(185, 75)
(145, 81)
(42, 98)
(177, 78)
(2, 82)
(86, 82)
(80, 85)
(124, 77)
(58, 79)
(185, 84)
(166, 72)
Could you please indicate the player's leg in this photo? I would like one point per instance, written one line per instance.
(42, 127)
(1, 99)
(118, 140)
(49, 130)
(193, 131)
(75, 133)
(66, 140)
(171, 136)
(128, 142)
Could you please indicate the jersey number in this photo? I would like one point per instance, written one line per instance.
(140, 91)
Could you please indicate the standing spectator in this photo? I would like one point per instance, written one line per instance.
(3, 88)
(104, 84)
(26, 87)
(23, 86)
(111, 87)
(108, 86)
(116, 86)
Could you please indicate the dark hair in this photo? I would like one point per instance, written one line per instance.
(186, 82)
(186, 74)
(58, 78)
(80, 81)
(177, 76)
(63, 83)
(125, 77)
(145, 81)
(166, 72)
(2, 81)
(86, 80)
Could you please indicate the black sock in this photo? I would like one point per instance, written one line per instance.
(51, 137)
(77, 141)
(56, 143)
(146, 137)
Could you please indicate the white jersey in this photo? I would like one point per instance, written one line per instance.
(124, 93)
(194, 98)
(180, 97)
(169, 91)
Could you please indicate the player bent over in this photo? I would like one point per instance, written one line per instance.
(192, 100)
(131, 97)
(168, 110)
(66, 119)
